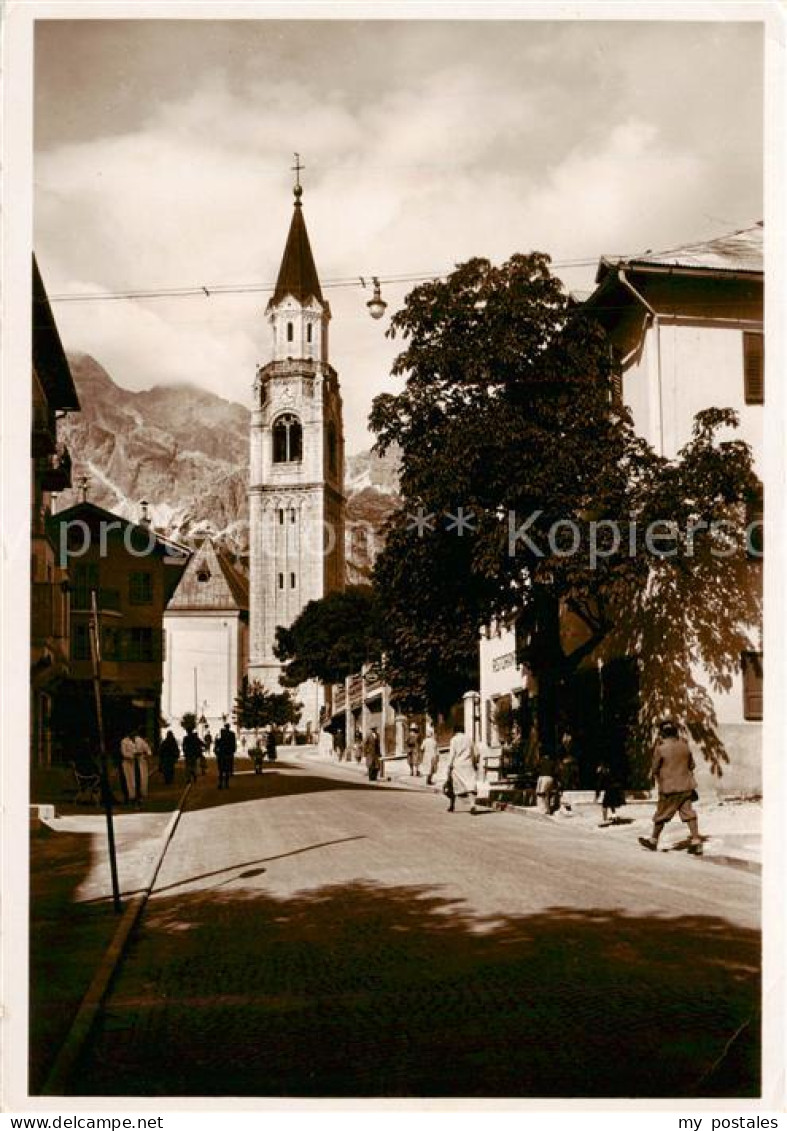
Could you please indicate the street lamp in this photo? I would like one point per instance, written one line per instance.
(376, 304)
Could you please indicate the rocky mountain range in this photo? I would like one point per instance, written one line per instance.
(185, 451)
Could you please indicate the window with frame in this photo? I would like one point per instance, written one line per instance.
(85, 580)
(753, 368)
(292, 581)
(333, 457)
(287, 439)
(754, 526)
(139, 645)
(140, 587)
(110, 643)
(751, 666)
(290, 332)
(281, 581)
(80, 641)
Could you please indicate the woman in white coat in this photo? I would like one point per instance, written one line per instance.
(463, 762)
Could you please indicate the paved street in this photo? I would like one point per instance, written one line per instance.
(314, 935)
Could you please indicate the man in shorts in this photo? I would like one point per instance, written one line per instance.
(673, 773)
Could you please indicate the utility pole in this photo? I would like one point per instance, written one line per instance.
(106, 791)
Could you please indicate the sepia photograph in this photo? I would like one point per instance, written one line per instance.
(398, 455)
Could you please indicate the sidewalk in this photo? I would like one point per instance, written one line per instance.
(731, 830)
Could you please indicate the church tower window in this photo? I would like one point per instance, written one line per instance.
(309, 332)
(287, 439)
(289, 332)
(332, 449)
(292, 581)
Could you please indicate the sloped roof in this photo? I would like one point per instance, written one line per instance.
(297, 274)
(223, 587)
(91, 514)
(740, 252)
(49, 357)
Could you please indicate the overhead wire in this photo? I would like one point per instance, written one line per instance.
(209, 290)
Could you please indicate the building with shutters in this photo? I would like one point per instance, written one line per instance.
(133, 571)
(296, 475)
(687, 325)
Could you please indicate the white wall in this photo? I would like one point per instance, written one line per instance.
(701, 367)
(209, 643)
(499, 673)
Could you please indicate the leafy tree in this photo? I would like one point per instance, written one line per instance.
(255, 707)
(331, 638)
(517, 459)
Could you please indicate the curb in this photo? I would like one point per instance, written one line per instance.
(741, 863)
(70, 1050)
(532, 814)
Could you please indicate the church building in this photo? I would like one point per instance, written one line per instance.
(296, 477)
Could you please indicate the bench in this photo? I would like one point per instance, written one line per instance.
(86, 786)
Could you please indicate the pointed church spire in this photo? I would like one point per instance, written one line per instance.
(297, 274)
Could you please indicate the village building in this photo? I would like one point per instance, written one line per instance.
(296, 477)
(364, 701)
(53, 394)
(687, 326)
(133, 572)
(206, 624)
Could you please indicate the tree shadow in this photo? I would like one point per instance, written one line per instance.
(357, 989)
(66, 941)
(688, 627)
(278, 780)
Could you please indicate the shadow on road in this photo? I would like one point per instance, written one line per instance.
(361, 990)
(279, 779)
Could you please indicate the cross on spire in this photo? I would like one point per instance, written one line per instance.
(296, 168)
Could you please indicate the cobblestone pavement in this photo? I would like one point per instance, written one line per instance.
(312, 935)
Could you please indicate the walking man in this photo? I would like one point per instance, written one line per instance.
(135, 753)
(430, 754)
(462, 770)
(414, 752)
(673, 772)
(192, 752)
(226, 745)
(168, 755)
(371, 749)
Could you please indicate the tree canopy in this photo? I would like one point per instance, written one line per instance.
(527, 495)
(331, 638)
(256, 707)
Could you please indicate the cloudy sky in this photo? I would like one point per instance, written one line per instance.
(163, 154)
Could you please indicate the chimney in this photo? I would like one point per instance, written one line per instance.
(145, 519)
(83, 484)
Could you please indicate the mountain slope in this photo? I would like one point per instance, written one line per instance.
(185, 451)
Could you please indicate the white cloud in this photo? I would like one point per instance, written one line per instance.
(465, 159)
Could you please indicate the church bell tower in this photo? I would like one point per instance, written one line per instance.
(296, 476)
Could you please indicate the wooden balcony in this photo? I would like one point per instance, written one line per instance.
(57, 474)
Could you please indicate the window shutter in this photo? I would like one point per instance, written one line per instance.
(752, 685)
(753, 367)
